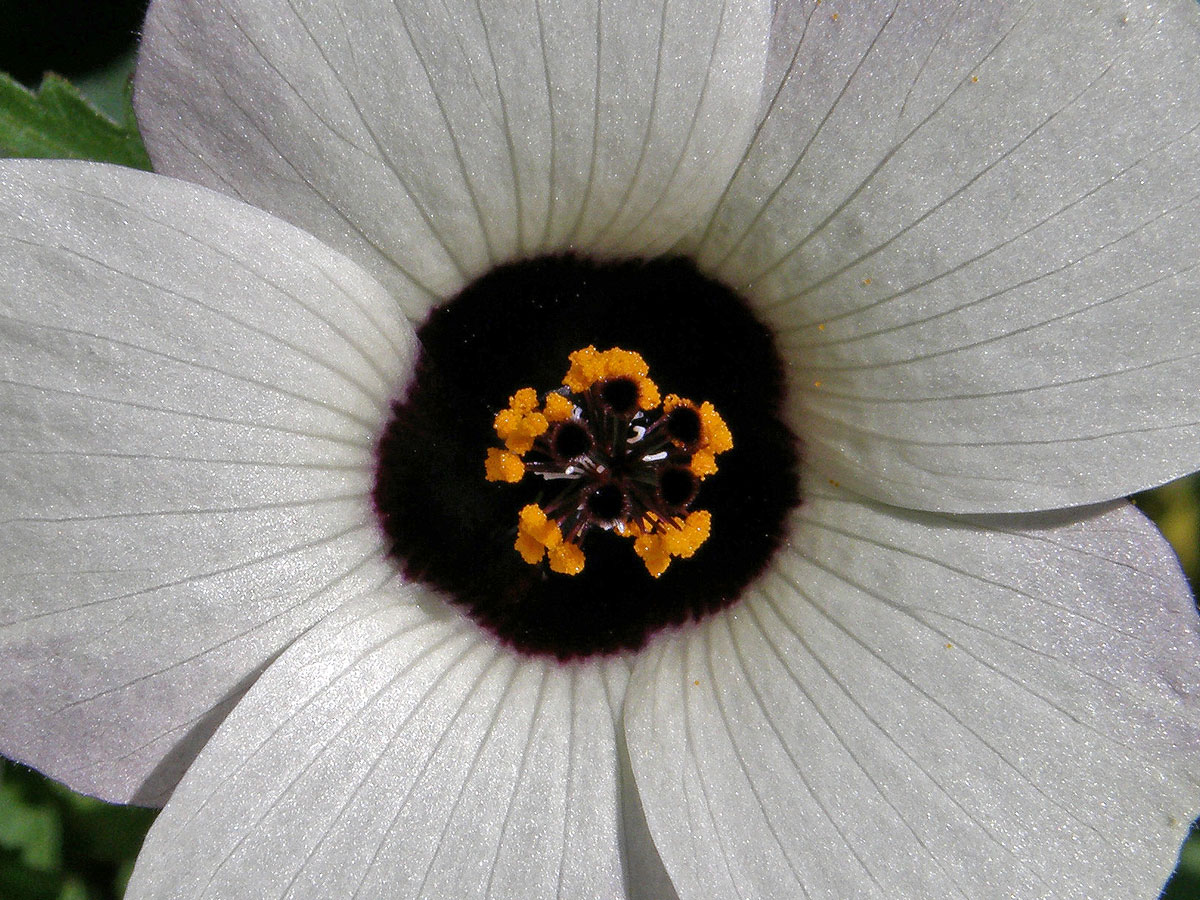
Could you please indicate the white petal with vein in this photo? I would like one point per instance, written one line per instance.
(974, 225)
(395, 752)
(191, 391)
(435, 139)
(910, 706)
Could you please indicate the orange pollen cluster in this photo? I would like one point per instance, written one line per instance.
(614, 457)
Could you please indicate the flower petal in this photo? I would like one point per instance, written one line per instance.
(646, 877)
(394, 751)
(191, 391)
(919, 707)
(436, 139)
(975, 228)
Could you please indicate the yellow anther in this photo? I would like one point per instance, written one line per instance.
(558, 408)
(523, 401)
(649, 520)
(584, 371)
(531, 551)
(501, 465)
(590, 365)
(679, 537)
(521, 423)
(539, 536)
(715, 436)
(653, 554)
(714, 433)
(648, 396)
(566, 558)
(704, 463)
(673, 401)
(535, 533)
(685, 539)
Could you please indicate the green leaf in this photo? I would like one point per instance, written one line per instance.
(58, 122)
(32, 830)
(1185, 883)
(73, 889)
(19, 880)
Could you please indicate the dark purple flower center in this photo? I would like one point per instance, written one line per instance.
(514, 327)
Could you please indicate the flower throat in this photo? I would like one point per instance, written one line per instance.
(577, 514)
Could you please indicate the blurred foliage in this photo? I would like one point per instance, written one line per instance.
(1185, 885)
(59, 845)
(1175, 508)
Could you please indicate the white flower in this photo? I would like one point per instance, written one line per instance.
(973, 227)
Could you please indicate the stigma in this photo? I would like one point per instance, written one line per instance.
(615, 456)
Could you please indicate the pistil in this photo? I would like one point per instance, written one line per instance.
(615, 456)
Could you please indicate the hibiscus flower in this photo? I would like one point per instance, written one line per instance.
(936, 257)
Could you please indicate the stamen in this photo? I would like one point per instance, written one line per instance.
(589, 366)
(615, 459)
(682, 539)
(521, 423)
(502, 465)
(535, 533)
(558, 408)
